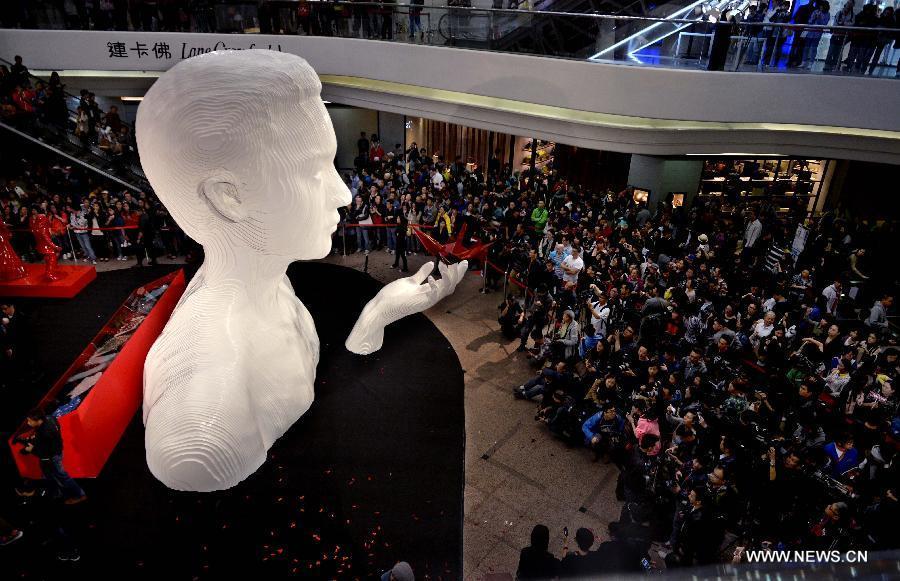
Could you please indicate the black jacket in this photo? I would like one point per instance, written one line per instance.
(535, 564)
(359, 214)
(47, 439)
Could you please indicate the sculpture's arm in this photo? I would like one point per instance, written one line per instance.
(399, 299)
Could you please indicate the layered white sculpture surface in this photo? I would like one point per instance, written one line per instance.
(239, 147)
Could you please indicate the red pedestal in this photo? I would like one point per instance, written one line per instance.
(91, 431)
(72, 281)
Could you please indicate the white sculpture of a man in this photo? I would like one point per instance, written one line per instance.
(239, 147)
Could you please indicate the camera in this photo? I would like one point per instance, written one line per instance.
(23, 441)
(832, 487)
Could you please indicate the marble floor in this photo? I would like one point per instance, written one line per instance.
(517, 475)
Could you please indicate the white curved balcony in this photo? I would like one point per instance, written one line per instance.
(589, 102)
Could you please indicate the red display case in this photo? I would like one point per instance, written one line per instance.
(93, 425)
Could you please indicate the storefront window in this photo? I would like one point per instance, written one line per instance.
(784, 181)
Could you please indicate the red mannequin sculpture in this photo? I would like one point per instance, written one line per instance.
(10, 265)
(40, 227)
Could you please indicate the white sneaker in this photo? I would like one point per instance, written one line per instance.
(367, 252)
(66, 256)
(93, 262)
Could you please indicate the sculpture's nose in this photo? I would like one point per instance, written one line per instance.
(340, 193)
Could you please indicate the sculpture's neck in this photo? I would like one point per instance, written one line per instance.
(245, 275)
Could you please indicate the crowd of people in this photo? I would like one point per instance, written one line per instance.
(146, 15)
(90, 219)
(864, 49)
(376, 19)
(383, 20)
(88, 222)
(27, 101)
(734, 361)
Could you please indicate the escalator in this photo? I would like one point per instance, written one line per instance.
(543, 33)
(59, 137)
(653, 37)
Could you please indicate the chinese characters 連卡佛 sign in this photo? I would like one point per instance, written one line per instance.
(162, 50)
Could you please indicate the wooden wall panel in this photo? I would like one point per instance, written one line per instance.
(474, 145)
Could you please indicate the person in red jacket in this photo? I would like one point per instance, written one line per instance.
(23, 99)
(376, 152)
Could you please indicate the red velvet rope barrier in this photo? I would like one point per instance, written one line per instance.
(511, 279)
(420, 226)
(82, 229)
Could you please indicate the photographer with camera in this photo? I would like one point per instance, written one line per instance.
(605, 435)
(566, 337)
(46, 444)
(534, 319)
(510, 318)
(694, 541)
(783, 487)
(599, 310)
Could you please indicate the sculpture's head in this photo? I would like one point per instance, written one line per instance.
(239, 147)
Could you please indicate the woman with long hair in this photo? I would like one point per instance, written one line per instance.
(115, 237)
(99, 240)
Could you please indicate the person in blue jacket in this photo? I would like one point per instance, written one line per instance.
(604, 432)
(842, 456)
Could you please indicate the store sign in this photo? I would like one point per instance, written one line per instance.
(162, 50)
(126, 51)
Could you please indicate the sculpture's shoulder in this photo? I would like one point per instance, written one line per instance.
(211, 331)
(195, 348)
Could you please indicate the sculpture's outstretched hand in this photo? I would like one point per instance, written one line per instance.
(401, 298)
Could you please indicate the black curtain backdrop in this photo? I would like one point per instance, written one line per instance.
(372, 474)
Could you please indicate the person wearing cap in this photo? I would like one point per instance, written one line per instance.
(566, 340)
(703, 247)
(399, 572)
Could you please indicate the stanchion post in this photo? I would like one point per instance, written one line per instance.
(74, 256)
(505, 281)
(484, 277)
(71, 244)
(344, 236)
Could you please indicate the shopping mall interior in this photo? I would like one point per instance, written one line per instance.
(476, 290)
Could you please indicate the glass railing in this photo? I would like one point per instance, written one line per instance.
(709, 35)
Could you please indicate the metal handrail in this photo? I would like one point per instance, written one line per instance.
(71, 158)
(387, 6)
(516, 11)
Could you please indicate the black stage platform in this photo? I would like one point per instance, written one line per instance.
(373, 473)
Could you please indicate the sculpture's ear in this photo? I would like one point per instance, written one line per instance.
(222, 192)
